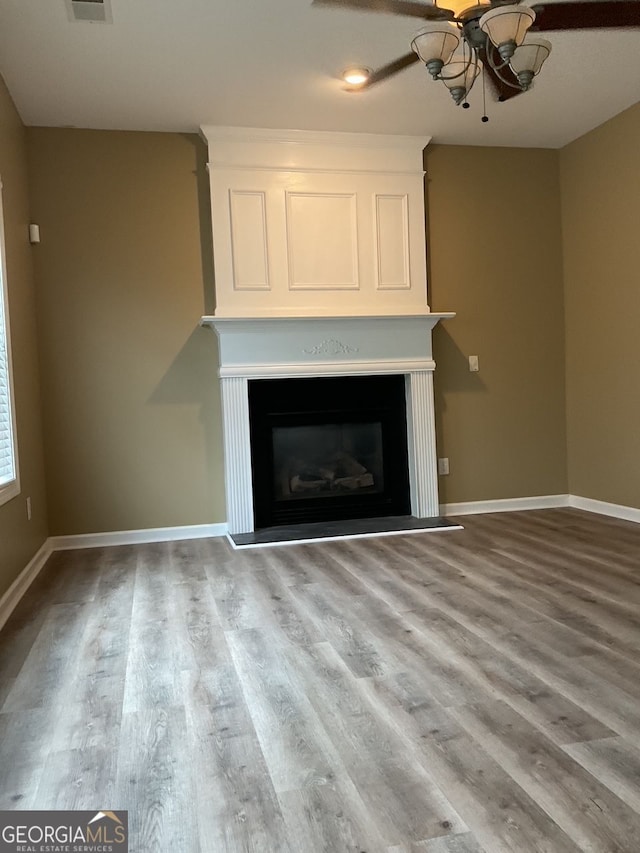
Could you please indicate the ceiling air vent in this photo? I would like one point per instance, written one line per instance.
(90, 11)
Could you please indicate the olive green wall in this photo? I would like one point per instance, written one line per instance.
(130, 399)
(20, 539)
(495, 257)
(600, 180)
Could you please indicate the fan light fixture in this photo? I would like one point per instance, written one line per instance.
(483, 31)
(507, 26)
(461, 75)
(527, 60)
(356, 76)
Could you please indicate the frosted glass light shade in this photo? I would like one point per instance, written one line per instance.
(435, 41)
(461, 74)
(530, 56)
(505, 24)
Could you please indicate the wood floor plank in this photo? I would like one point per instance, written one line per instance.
(550, 593)
(471, 692)
(25, 743)
(613, 761)
(584, 558)
(49, 667)
(261, 599)
(152, 676)
(284, 609)
(183, 565)
(328, 818)
(458, 844)
(615, 707)
(323, 567)
(296, 748)
(496, 583)
(501, 815)
(289, 562)
(77, 779)
(587, 811)
(236, 806)
(349, 637)
(563, 721)
(195, 625)
(465, 843)
(21, 631)
(156, 788)
(84, 568)
(397, 790)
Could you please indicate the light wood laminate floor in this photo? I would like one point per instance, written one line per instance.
(456, 692)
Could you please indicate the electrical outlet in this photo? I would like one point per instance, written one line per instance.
(28, 509)
(443, 465)
(474, 365)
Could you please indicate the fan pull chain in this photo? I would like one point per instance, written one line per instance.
(485, 117)
(465, 103)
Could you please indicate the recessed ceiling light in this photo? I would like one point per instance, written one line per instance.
(356, 76)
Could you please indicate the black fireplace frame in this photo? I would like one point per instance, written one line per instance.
(329, 400)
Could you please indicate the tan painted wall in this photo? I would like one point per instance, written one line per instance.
(495, 257)
(600, 179)
(20, 539)
(131, 405)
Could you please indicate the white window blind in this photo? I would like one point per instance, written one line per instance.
(8, 464)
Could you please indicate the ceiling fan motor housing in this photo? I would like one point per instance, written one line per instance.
(472, 32)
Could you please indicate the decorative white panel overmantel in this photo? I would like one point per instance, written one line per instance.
(308, 223)
(261, 348)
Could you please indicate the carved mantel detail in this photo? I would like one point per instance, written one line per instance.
(331, 346)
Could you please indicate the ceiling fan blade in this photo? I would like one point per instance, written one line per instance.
(586, 15)
(389, 70)
(503, 91)
(426, 11)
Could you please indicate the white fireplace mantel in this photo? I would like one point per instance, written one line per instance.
(264, 348)
(305, 346)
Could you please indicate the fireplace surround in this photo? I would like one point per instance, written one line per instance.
(295, 347)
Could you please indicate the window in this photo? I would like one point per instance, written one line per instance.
(9, 485)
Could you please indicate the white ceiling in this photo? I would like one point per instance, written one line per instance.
(173, 65)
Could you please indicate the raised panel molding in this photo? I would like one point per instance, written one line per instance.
(392, 242)
(322, 240)
(317, 224)
(249, 252)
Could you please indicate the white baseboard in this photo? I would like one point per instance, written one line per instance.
(626, 513)
(505, 505)
(137, 537)
(21, 584)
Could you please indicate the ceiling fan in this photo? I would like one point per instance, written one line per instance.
(494, 36)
